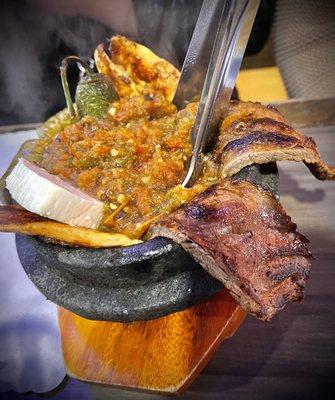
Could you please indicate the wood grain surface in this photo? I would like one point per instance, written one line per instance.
(165, 354)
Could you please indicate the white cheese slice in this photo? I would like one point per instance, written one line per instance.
(42, 193)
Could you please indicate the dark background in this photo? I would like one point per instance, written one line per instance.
(37, 34)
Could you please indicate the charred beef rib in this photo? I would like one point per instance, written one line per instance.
(255, 134)
(242, 236)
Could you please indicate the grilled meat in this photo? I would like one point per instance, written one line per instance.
(242, 236)
(254, 134)
(136, 70)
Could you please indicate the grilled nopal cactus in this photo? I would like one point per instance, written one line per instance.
(94, 91)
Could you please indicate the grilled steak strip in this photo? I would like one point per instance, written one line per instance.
(242, 236)
(254, 134)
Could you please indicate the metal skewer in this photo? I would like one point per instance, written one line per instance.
(199, 52)
(233, 31)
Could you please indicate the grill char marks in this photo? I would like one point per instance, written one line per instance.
(254, 134)
(257, 138)
(242, 236)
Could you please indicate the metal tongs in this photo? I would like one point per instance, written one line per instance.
(211, 66)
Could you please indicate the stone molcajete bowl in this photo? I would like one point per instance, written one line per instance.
(139, 282)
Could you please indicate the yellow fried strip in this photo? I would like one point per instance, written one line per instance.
(18, 220)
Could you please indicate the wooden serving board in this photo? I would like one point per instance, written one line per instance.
(163, 355)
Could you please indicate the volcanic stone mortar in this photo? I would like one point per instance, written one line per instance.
(140, 282)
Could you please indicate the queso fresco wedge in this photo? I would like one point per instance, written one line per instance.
(42, 193)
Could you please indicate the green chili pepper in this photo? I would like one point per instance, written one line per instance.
(52, 126)
(94, 91)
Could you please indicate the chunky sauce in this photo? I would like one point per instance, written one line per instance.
(134, 160)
